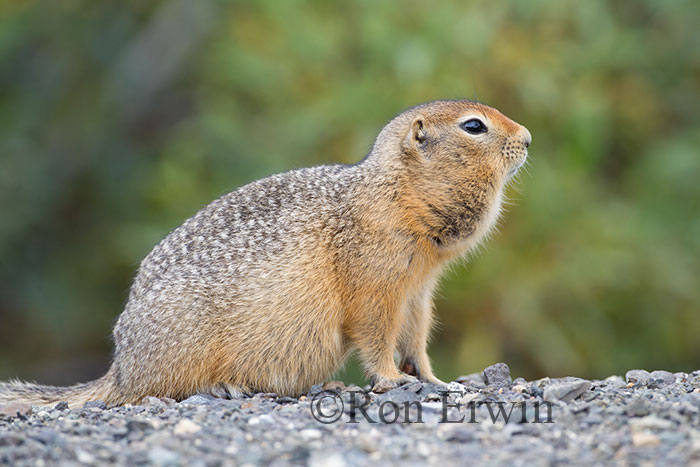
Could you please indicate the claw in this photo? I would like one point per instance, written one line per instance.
(227, 391)
(383, 385)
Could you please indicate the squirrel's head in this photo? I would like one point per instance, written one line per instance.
(456, 157)
(465, 139)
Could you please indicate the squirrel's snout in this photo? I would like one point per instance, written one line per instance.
(527, 137)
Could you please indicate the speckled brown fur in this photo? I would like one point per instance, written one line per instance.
(270, 287)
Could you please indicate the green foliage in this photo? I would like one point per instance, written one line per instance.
(118, 120)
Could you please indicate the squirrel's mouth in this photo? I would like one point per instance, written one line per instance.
(513, 170)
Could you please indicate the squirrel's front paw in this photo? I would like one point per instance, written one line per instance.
(382, 385)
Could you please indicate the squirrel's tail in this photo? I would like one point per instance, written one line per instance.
(103, 389)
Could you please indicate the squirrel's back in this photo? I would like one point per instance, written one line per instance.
(227, 279)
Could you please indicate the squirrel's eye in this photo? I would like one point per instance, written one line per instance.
(474, 126)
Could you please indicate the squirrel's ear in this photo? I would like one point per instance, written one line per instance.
(416, 135)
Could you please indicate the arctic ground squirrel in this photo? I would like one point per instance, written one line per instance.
(272, 286)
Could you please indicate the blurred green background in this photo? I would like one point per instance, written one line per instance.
(118, 120)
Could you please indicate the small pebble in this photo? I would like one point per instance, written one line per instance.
(334, 386)
(186, 427)
(473, 379)
(84, 457)
(63, 405)
(498, 375)
(152, 401)
(138, 424)
(659, 378)
(637, 407)
(161, 456)
(645, 439)
(637, 377)
(310, 434)
(383, 386)
(566, 392)
(11, 439)
(650, 422)
(199, 399)
(95, 405)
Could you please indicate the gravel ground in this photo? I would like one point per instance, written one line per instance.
(645, 418)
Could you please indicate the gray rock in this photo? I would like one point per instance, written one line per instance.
(614, 381)
(593, 419)
(11, 439)
(660, 378)
(637, 377)
(326, 459)
(637, 407)
(138, 424)
(161, 456)
(46, 436)
(383, 386)
(566, 392)
(692, 398)
(152, 402)
(334, 386)
(460, 434)
(199, 399)
(406, 393)
(474, 379)
(265, 396)
(95, 405)
(536, 391)
(84, 457)
(650, 422)
(63, 405)
(455, 389)
(498, 375)
(315, 389)
(681, 376)
(352, 388)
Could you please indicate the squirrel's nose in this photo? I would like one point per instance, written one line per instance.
(527, 137)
